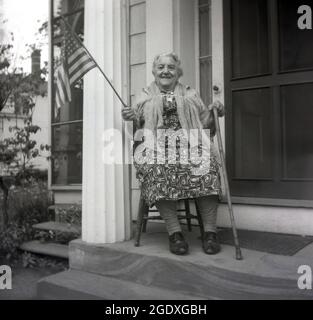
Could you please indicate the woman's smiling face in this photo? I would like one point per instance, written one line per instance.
(166, 73)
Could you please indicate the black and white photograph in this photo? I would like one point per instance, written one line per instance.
(156, 152)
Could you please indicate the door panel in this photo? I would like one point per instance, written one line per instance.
(297, 131)
(296, 46)
(269, 96)
(250, 38)
(252, 134)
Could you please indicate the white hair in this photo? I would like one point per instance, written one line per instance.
(172, 55)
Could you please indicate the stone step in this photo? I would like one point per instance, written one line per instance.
(46, 248)
(258, 276)
(79, 285)
(58, 226)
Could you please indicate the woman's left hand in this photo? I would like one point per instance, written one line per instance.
(219, 107)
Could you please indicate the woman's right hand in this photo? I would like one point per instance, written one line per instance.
(128, 114)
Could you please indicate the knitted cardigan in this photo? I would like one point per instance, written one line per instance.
(192, 112)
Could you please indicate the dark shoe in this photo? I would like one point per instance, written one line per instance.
(178, 245)
(210, 243)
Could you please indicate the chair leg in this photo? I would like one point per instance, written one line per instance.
(145, 218)
(188, 216)
(140, 219)
(200, 220)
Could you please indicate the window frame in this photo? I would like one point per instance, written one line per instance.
(54, 123)
(203, 59)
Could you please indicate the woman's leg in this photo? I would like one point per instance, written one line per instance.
(177, 243)
(208, 209)
(167, 209)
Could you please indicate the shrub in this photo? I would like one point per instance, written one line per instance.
(27, 206)
(71, 215)
(11, 238)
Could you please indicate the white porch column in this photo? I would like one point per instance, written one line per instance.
(105, 186)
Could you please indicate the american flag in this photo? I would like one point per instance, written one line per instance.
(75, 63)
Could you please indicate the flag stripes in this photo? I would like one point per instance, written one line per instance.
(63, 87)
(75, 63)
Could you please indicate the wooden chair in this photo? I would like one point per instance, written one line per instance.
(143, 217)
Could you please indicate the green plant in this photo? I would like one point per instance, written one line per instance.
(10, 240)
(72, 216)
(27, 206)
(18, 151)
(30, 260)
(28, 203)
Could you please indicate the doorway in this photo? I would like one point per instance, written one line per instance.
(269, 95)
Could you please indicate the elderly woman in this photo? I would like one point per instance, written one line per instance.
(168, 106)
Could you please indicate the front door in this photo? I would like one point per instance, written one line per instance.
(269, 94)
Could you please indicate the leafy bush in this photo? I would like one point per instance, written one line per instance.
(71, 215)
(27, 206)
(10, 239)
(30, 260)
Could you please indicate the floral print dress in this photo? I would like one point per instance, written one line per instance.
(180, 180)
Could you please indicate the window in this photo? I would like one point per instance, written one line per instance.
(250, 38)
(137, 46)
(205, 50)
(67, 121)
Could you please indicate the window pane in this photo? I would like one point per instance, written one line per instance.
(138, 48)
(206, 81)
(296, 46)
(67, 6)
(204, 2)
(250, 37)
(67, 138)
(132, 2)
(138, 18)
(137, 78)
(67, 154)
(73, 110)
(252, 134)
(205, 31)
(297, 105)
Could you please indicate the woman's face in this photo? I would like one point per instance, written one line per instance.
(166, 73)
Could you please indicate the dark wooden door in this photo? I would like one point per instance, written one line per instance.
(269, 95)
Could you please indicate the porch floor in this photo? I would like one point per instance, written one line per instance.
(152, 267)
(155, 243)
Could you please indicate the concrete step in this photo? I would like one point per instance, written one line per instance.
(58, 226)
(46, 248)
(258, 276)
(81, 285)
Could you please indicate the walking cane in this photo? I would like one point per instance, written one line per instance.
(230, 207)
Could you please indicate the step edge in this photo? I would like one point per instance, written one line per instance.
(25, 247)
(71, 229)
